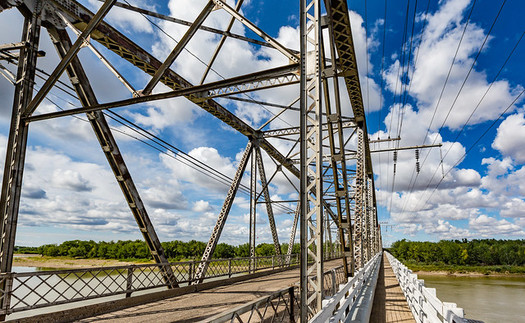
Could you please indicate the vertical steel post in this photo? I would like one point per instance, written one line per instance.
(17, 141)
(311, 168)
(16, 147)
(365, 221)
(129, 282)
(253, 207)
(370, 217)
(359, 199)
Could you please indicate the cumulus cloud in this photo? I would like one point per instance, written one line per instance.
(509, 139)
(490, 227)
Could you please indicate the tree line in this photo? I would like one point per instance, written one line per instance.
(484, 252)
(175, 250)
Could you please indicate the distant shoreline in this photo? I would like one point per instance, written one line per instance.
(466, 274)
(32, 260)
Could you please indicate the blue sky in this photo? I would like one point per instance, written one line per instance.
(70, 193)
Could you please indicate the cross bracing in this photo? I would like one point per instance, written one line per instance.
(323, 152)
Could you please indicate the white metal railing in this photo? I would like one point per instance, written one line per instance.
(423, 302)
(354, 299)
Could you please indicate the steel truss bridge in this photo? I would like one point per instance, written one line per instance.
(327, 149)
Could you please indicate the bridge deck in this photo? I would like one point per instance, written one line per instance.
(201, 305)
(390, 305)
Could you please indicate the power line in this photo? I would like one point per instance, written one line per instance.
(474, 144)
(479, 103)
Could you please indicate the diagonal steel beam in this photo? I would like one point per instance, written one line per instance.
(178, 48)
(221, 42)
(200, 273)
(188, 23)
(291, 56)
(64, 62)
(110, 148)
(269, 210)
(200, 93)
(127, 49)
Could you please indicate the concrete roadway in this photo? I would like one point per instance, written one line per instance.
(203, 304)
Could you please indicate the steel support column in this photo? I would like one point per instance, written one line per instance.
(359, 200)
(200, 273)
(311, 191)
(253, 208)
(16, 146)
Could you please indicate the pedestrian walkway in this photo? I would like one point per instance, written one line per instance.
(390, 305)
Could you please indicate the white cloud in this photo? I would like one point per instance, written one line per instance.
(510, 137)
(490, 227)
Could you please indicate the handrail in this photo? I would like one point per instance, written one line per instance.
(344, 301)
(32, 290)
(423, 302)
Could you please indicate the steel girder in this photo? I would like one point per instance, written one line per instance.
(253, 207)
(311, 159)
(16, 145)
(269, 209)
(109, 146)
(359, 200)
(223, 215)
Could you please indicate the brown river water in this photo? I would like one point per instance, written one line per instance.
(491, 299)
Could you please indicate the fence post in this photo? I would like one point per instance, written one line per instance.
(129, 281)
(334, 283)
(273, 262)
(6, 295)
(190, 273)
(291, 303)
(229, 267)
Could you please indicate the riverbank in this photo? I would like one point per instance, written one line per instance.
(26, 260)
(467, 271)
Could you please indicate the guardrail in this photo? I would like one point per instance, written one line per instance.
(280, 306)
(423, 302)
(354, 299)
(32, 290)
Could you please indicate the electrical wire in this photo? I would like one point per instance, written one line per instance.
(474, 144)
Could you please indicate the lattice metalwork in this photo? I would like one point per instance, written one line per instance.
(311, 194)
(359, 200)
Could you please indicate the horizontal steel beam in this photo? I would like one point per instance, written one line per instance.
(199, 90)
(295, 130)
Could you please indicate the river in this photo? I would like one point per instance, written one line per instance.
(491, 299)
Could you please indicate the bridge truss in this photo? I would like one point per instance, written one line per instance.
(326, 148)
